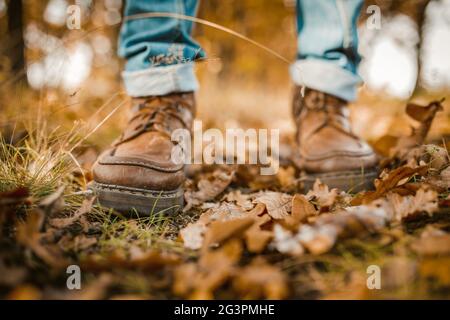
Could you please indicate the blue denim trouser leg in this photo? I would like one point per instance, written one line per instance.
(327, 46)
(159, 51)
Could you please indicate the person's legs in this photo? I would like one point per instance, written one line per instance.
(138, 171)
(327, 57)
(159, 51)
(326, 65)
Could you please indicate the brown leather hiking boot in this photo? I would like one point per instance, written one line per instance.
(327, 148)
(137, 171)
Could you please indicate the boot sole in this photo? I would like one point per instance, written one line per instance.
(144, 202)
(350, 181)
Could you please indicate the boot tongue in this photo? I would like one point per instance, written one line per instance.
(158, 114)
(319, 110)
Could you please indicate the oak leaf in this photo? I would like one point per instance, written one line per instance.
(302, 209)
(220, 231)
(209, 188)
(278, 204)
(322, 195)
(424, 115)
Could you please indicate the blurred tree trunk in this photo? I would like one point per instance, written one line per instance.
(15, 43)
(416, 11)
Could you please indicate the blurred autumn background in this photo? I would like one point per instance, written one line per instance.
(61, 89)
(77, 70)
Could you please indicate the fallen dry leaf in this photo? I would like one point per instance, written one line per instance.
(11, 276)
(96, 290)
(435, 157)
(432, 245)
(62, 223)
(209, 188)
(82, 242)
(258, 210)
(241, 200)
(352, 287)
(389, 181)
(256, 240)
(424, 115)
(286, 177)
(278, 204)
(398, 272)
(9, 201)
(199, 280)
(220, 231)
(14, 197)
(193, 234)
(28, 234)
(441, 181)
(225, 211)
(137, 259)
(321, 236)
(286, 242)
(302, 209)
(318, 240)
(260, 280)
(384, 145)
(322, 195)
(407, 206)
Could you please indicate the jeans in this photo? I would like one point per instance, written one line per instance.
(160, 51)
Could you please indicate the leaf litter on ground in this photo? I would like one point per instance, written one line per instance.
(247, 237)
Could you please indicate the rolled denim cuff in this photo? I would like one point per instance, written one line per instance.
(161, 80)
(326, 77)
